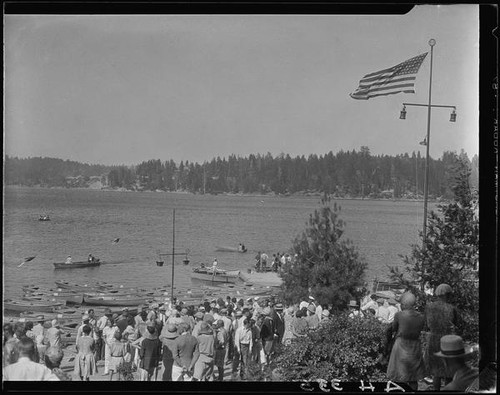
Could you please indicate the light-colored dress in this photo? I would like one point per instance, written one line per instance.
(85, 365)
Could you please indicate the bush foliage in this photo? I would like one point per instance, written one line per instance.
(344, 348)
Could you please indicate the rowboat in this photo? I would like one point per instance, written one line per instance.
(77, 265)
(229, 249)
(27, 305)
(220, 276)
(121, 300)
(77, 287)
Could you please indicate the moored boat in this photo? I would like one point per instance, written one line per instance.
(230, 249)
(220, 275)
(76, 265)
(77, 287)
(121, 300)
(27, 305)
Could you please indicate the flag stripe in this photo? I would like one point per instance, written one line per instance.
(396, 79)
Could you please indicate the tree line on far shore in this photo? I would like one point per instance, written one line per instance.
(344, 174)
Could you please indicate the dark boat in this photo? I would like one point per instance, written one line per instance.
(44, 218)
(230, 249)
(77, 265)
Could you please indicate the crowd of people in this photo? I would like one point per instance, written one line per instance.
(264, 263)
(199, 342)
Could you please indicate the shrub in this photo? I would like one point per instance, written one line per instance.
(126, 371)
(344, 348)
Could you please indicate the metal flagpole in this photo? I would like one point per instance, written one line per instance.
(173, 257)
(432, 42)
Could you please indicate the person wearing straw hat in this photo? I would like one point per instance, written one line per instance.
(311, 318)
(149, 354)
(441, 319)
(167, 337)
(406, 363)
(85, 365)
(53, 358)
(454, 354)
(204, 365)
(353, 309)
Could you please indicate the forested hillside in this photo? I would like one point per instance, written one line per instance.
(345, 174)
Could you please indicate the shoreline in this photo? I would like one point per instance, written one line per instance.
(230, 194)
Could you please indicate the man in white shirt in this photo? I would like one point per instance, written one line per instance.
(25, 369)
(244, 343)
(392, 310)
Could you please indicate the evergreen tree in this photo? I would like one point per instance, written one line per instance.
(326, 265)
(450, 253)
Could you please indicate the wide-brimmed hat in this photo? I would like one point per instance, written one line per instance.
(47, 324)
(205, 329)
(311, 298)
(184, 311)
(443, 289)
(238, 313)
(452, 346)
(223, 311)
(266, 311)
(155, 305)
(208, 318)
(85, 317)
(199, 315)
(352, 303)
(311, 308)
(392, 301)
(325, 313)
(171, 332)
(125, 309)
(279, 306)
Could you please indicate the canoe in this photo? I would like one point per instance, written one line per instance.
(116, 300)
(229, 249)
(76, 265)
(26, 305)
(221, 276)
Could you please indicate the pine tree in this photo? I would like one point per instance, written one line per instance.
(326, 265)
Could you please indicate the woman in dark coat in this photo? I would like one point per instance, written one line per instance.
(406, 363)
(150, 352)
(441, 319)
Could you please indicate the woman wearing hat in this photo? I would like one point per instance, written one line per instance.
(406, 363)
(167, 338)
(204, 356)
(108, 335)
(453, 353)
(441, 319)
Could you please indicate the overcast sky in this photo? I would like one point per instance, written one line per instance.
(125, 89)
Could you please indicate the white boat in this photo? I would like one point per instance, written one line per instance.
(220, 275)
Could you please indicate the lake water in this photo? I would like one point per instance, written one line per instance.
(86, 221)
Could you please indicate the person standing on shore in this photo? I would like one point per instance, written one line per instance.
(244, 345)
(441, 319)
(406, 363)
(167, 338)
(53, 358)
(100, 325)
(85, 365)
(184, 349)
(149, 354)
(204, 365)
(118, 350)
(220, 347)
(25, 369)
(109, 338)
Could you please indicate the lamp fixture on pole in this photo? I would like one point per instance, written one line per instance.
(427, 140)
(173, 254)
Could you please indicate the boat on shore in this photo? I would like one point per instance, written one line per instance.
(30, 305)
(219, 276)
(121, 300)
(85, 287)
(76, 265)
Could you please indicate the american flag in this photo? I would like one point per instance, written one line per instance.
(396, 79)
